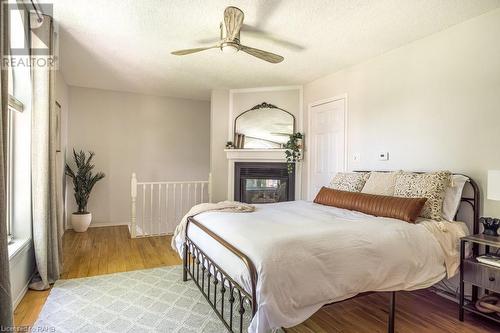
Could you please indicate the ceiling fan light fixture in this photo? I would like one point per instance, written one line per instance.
(229, 48)
(230, 41)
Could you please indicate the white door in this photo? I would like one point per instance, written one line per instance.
(327, 143)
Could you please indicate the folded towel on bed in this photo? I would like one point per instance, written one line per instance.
(223, 206)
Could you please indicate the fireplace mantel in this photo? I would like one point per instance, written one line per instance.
(258, 155)
(270, 155)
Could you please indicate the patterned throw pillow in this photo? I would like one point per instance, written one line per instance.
(349, 181)
(431, 186)
(381, 183)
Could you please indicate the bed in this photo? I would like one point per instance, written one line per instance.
(277, 266)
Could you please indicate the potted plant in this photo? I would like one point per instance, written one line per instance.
(83, 183)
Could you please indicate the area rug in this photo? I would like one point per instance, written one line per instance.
(153, 300)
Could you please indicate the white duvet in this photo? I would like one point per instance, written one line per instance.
(308, 255)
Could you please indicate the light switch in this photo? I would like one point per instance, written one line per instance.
(383, 156)
(356, 157)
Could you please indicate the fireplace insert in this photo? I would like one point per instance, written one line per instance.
(263, 182)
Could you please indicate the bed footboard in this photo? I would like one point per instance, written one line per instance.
(234, 306)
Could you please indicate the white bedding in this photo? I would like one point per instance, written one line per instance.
(308, 255)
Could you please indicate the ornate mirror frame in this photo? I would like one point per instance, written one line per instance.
(265, 105)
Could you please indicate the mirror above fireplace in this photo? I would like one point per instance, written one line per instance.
(264, 126)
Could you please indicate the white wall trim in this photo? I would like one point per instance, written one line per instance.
(23, 292)
(20, 257)
(260, 89)
(230, 132)
(100, 224)
(346, 128)
(17, 247)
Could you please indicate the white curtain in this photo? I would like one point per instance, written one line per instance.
(5, 292)
(46, 234)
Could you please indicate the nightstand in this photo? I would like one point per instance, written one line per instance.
(478, 274)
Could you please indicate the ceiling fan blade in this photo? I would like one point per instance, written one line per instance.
(233, 20)
(264, 55)
(189, 51)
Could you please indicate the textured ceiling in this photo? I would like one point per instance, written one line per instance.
(125, 45)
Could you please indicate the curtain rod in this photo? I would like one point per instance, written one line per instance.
(37, 12)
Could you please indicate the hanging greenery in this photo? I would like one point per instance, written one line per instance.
(293, 150)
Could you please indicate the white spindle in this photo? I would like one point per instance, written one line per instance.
(143, 208)
(175, 206)
(156, 222)
(150, 231)
(133, 212)
(182, 201)
(159, 210)
(196, 193)
(166, 208)
(210, 187)
(189, 196)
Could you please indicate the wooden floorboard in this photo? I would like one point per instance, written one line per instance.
(109, 250)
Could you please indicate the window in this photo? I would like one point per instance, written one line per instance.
(17, 136)
(14, 106)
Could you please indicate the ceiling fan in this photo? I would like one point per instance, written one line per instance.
(230, 39)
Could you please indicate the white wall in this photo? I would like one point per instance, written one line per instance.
(288, 100)
(159, 138)
(432, 104)
(219, 120)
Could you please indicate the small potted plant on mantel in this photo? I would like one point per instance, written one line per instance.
(83, 183)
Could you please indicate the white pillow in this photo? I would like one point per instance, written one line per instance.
(381, 183)
(452, 196)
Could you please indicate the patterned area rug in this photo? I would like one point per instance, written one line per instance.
(153, 300)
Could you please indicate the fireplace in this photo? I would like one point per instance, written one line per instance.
(263, 182)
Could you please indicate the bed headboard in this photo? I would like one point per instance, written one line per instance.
(470, 205)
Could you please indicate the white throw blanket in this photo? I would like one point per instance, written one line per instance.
(223, 206)
(448, 235)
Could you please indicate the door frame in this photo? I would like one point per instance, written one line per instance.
(308, 136)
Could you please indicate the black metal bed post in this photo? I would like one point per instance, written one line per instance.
(392, 312)
(184, 262)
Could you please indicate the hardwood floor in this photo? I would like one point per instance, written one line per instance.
(109, 250)
(100, 251)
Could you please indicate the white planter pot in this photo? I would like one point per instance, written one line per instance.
(81, 222)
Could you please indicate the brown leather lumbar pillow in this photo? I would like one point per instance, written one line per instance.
(406, 209)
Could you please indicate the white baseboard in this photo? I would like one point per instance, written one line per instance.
(22, 269)
(105, 224)
(100, 224)
(23, 292)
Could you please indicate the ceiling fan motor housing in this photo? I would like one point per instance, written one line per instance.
(225, 38)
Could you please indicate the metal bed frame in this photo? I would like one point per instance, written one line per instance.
(208, 275)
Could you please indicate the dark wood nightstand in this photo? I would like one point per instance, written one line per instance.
(478, 274)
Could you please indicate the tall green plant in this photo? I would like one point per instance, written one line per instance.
(83, 178)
